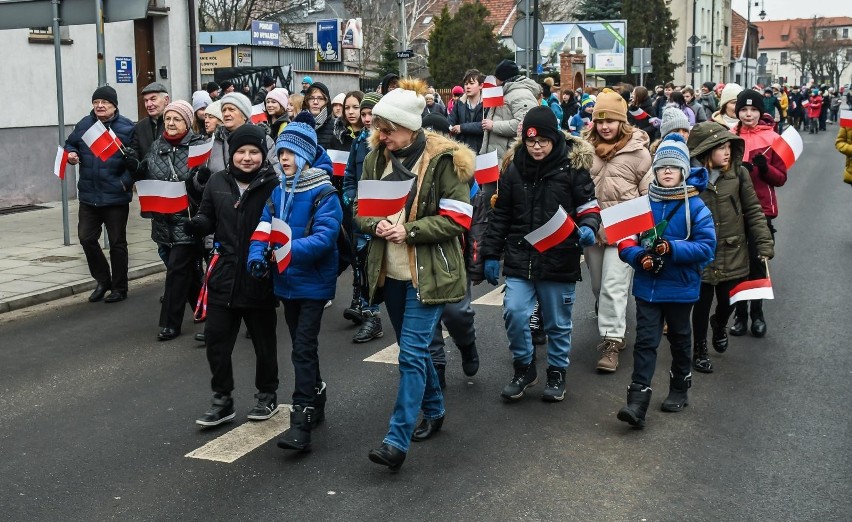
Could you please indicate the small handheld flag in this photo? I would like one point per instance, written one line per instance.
(258, 113)
(752, 290)
(339, 158)
(60, 163)
(163, 197)
(788, 146)
(101, 141)
(199, 154)
(627, 219)
(845, 118)
(486, 170)
(378, 198)
(555, 231)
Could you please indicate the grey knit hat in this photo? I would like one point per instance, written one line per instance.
(673, 152)
(673, 119)
(240, 101)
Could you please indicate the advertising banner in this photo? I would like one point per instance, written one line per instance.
(602, 42)
(328, 40)
(215, 56)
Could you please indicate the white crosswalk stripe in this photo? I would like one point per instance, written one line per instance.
(492, 298)
(244, 438)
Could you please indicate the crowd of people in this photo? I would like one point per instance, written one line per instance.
(271, 223)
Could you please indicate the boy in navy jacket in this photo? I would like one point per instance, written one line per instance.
(668, 261)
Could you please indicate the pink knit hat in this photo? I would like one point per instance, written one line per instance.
(183, 108)
(281, 96)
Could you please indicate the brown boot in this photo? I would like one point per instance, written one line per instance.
(610, 349)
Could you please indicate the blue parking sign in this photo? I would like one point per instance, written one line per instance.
(123, 69)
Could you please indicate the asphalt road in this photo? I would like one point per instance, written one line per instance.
(97, 416)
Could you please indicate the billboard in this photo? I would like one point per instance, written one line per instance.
(353, 36)
(603, 43)
(215, 56)
(328, 40)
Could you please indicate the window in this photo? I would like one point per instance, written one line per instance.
(783, 57)
(725, 35)
(45, 35)
(785, 37)
(845, 33)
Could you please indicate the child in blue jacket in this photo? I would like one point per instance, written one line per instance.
(668, 264)
(307, 202)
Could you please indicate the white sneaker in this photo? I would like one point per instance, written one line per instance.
(328, 304)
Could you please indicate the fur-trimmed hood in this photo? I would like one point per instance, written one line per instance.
(581, 154)
(463, 158)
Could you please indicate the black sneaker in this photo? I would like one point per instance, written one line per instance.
(554, 390)
(370, 329)
(266, 407)
(222, 410)
(525, 376)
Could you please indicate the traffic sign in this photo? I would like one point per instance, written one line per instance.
(519, 33)
(404, 55)
(693, 40)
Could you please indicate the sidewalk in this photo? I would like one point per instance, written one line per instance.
(35, 267)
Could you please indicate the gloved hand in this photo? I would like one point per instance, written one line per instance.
(662, 246)
(258, 269)
(131, 160)
(747, 165)
(759, 161)
(492, 271)
(652, 262)
(203, 175)
(347, 200)
(587, 237)
(191, 228)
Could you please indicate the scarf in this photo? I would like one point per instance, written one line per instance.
(302, 181)
(530, 168)
(244, 177)
(606, 151)
(680, 193)
(403, 161)
(321, 117)
(174, 140)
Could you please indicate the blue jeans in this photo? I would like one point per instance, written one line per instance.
(557, 302)
(413, 323)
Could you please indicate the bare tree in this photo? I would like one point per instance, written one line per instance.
(557, 10)
(377, 21)
(817, 50)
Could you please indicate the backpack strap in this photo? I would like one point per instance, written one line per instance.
(326, 191)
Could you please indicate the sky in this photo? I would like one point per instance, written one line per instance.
(784, 9)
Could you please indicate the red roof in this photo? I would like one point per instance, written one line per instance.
(738, 34)
(501, 13)
(779, 34)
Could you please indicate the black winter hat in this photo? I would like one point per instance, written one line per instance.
(541, 121)
(107, 93)
(437, 123)
(247, 135)
(506, 69)
(321, 87)
(710, 86)
(267, 80)
(751, 98)
(212, 86)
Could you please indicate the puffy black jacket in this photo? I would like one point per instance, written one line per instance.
(102, 183)
(169, 163)
(470, 121)
(147, 130)
(325, 133)
(527, 201)
(232, 218)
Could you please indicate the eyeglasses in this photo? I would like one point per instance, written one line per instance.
(666, 168)
(537, 142)
(384, 130)
(102, 103)
(316, 98)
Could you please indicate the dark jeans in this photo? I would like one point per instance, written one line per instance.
(458, 318)
(221, 330)
(183, 283)
(304, 318)
(757, 270)
(114, 218)
(649, 331)
(701, 312)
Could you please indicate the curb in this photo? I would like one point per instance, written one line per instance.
(84, 285)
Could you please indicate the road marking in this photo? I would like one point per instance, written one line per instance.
(244, 438)
(492, 298)
(390, 355)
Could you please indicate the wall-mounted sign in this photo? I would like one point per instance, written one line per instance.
(123, 69)
(265, 33)
(243, 56)
(328, 40)
(215, 56)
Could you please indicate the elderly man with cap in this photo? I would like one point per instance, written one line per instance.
(155, 96)
(500, 124)
(104, 189)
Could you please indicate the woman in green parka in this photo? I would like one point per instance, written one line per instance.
(739, 219)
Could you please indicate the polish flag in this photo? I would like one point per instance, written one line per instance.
(627, 219)
(258, 114)
(282, 256)
(492, 97)
(377, 198)
(60, 162)
(163, 197)
(490, 81)
(458, 211)
(752, 290)
(845, 118)
(789, 146)
(339, 158)
(262, 232)
(805, 103)
(555, 231)
(486, 170)
(639, 114)
(199, 154)
(101, 141)
(276, 232)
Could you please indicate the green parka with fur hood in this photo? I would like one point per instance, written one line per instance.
(733, 203)
(437, 265)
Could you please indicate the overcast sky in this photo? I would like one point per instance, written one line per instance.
(784, 9)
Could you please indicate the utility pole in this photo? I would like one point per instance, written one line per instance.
(694, 9)
(403, 39)
(99, 37)
(534, 45)
(60, 109)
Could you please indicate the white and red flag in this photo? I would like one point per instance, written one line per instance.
(339, 158)
(486, 169)
(556, 230)
(60, 163)
(164, 197)
(492, 97)
(490, 81)
(751, 290)
(281, 255)
(275, 232)
(627, 219)
(789, 146)
(199, 154)
(258, 113)
(458, 211)
(101, 141)
(378, 198)
(845, 118)
(639, 114)
(805, 103)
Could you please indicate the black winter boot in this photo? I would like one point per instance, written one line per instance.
(319, 405)
(371, 328)
(740, 319)
(677, 398)
(470, 359)
(298, 435)
(525, 376)
(720, 335)
(353, 313)
(554, 389)
(638, 398)
(700, 357)
(758, 324)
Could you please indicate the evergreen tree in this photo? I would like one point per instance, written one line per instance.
(599, 10)
(388, 62)
(650, 25)
(461, 42)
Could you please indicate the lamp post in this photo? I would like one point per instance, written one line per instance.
(692, 66)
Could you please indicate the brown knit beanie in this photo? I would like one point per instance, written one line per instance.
(184, 109)
(610, 105)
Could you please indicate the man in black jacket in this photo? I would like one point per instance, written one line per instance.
(156, 97)
(268, 84)
(466, 117)
(230, 209)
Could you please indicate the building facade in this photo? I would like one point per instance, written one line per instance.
(710, 22)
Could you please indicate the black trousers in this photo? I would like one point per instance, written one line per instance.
(221, 330)
(757, 270)
(649, 332)
(701, 311)
(183, 283)
(304, 318)
(114, 218)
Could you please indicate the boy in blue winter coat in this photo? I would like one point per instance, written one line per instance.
(306, 201)
(668, 261)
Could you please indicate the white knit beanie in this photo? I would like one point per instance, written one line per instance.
(729, 93)
(403, 107)
(200, 100)
(240, 101)
(215, 110)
